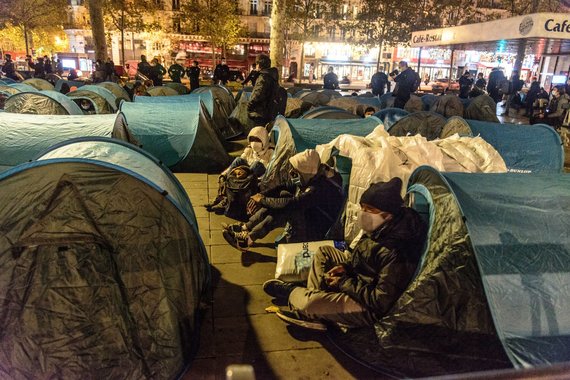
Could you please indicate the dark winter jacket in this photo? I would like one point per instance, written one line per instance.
(38, 68)
(383, 264)
(495, 79)
(481, 83)
(465, 84)
(175, 72)
(330, 81)
(144, 68)
(221, 73)
(252, 77)
(258, 108)
(378, 83)
(9, 68)
(406, 84)
(314, 208)
(193, 73)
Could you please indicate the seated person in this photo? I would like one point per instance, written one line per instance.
(355, 289)
(309, 205)
(256, 155)
(556, 110)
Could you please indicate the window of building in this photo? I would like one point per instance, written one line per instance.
(332, 32)
(175, 5)
(159, 4)
(253, 7)
(176, 27)
(267, 8)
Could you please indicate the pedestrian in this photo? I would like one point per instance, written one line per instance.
(407, 82)
(47, 65)
(38, 67)
(144, 67)
(311, 72)
(531, 97)
(378, 83)
(176, 72)
(109, 69)
(465, 84)
(481, 83)
(356, 289)
(515, 85)
(493, 86)
(221, 73)
(330, 80)
(193, 73)
(157, 72)
(259, 105)
(72, 75)
(9, 69)
(252, 76)
(59, 67)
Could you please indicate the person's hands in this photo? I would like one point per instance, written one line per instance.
(336, 271)
(332, 282)
(257, 197)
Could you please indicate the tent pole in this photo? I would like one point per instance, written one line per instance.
(420, 60)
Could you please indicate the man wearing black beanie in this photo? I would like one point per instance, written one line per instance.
(355, 289)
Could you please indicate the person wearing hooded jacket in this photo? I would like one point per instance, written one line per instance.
(256, 155)
(355, 289)
(309, 203)
(259, 105)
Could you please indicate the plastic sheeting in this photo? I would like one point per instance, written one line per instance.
(448, 106)
(427, 124)
(42, 103)
(22, 136)
(39, 84)
(380, 157)
(519, 230)
(526, 148)
(100, 273)
(296, 135)
(179, 134)
(329, 112)
(389, 116)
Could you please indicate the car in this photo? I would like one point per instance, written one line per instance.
(442, 84)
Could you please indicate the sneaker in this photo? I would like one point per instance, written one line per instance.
(238, 240)
(296, 319)
(234, 227)
(278, 289)
(219, 208)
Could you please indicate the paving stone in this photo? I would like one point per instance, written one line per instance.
(203, 369)
(238, 274)
(224, 254)
(197, 177)
(239, 301)
(207, 342)
(203, 223)
(200, 211)
(196, 193)
(217, 220)
(189, 186)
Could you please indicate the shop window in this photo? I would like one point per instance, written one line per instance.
(253, 7)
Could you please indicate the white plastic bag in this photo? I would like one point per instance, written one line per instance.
(294, 260)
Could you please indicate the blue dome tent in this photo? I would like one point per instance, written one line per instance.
(39, 84)
(99, 98)
(90, 290)
(492, 288)
(389, 116)
(119, 92)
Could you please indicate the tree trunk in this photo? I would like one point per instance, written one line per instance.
(123, 35)
(301, 68)
(26, 39)
(277, 41)
(98, 29)
(380, 45)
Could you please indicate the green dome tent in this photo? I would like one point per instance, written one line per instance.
(39, 84)
(296, 135)
(329, 112)
(221, 95)
(23, 136)
(42, 103)
(414, 104)
(239, 119)
(178, 87)
(119, 92)
(448, 106)
(296, 108)
(9, 90)
(102, 270)
(22, 87)
(426, 123)
(482, 108)
(178, 134)
(491, 290)
(102, 101)
(162, 91)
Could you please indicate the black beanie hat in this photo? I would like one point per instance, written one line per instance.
(385, 196)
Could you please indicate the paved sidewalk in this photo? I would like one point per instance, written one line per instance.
(236, 329)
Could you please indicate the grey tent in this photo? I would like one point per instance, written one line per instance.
(415, 104)
(386, 100)
(24, 136)
(220, 104)
(296, 107)
(448, 106)
(53, 78)
(179, 87)
(427, 124)
(221, 95)
(316, 98)
(102, 269)
(178, 134)
(239, 118)
(389, 116)
(301, 92)
(329, 112)
(39, 84)
(482, 108)
(42, 103)
(428, 100)
(492, 287)
(294, 90)
(161, 91)
(119, 92)
(100, 99)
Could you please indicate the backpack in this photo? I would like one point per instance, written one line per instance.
(240, 185)
(415, 82)
(278, 103)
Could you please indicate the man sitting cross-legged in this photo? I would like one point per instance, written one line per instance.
(354, 289)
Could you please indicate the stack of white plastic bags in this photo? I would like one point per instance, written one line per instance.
(380, 157)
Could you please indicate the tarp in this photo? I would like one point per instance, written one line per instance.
(102, 99)
(108, 273)
(179, 134)
(426, 123)
(526, 148)
(161, 91)
(296, 135)
(179, 87)
(39, 84)
(448, 106)
(389, 116)
(23, 136)
(329, 112)
(42, 103)
(482, 108)
(119, 92)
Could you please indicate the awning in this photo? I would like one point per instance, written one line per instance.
(545, 33)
